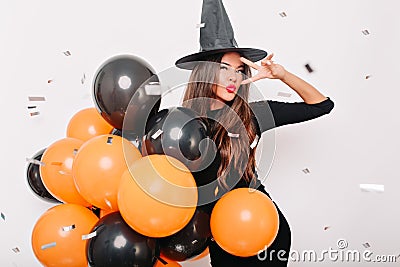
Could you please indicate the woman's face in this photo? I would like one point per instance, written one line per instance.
(230, 76)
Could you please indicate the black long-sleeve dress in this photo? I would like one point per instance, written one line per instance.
(268, 114)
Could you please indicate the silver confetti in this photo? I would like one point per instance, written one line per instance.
(255, 142)
(68, 228)
(282, 14)
(200, 25)
(89, 236)
(306, 171)
(34, 113)
(153, 88)
(378, 188)
(35, 161)
(16, 250)
(83, 79)
(36, 98)
(365, 32)
(67, 53)
(109, 140)
(367, 77)
(366, 245)
(233, 135)
(157, 134)
(284, 94)
(3, 216)
(49, 245)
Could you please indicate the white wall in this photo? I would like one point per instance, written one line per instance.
(356, 144)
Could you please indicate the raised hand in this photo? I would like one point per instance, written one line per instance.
(268, 69)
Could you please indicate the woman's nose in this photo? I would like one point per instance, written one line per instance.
(232, 77)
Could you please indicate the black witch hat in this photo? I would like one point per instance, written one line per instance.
(216, 36)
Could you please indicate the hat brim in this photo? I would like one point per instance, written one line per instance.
(190, 61)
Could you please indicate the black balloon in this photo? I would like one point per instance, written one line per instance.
(115, 84)
(190, 241)
(35, 180)
(179, 133)
(132, 138)
(117, 244)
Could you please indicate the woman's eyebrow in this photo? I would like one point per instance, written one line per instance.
(241, 66)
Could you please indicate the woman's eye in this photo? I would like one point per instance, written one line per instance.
(240, 71)
(223, 67)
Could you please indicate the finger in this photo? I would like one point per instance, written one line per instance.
(251, 79)
(250, 63)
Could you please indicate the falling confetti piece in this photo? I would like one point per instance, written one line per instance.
(153, 89)
(326, 228)
(255, 142)
(233, 135)
(49, 81)
(379, 188)
(306, 171)
(49, 245)
(83, 79)
(367, 77)
(36, 98)
(35, 161)
(216, 191)
(162, 261)
(157, 134)
(67, 53)
(365, 32)
(282, 14)
(89, 236)
(36, 113)
(308, 67)
(31, 107)
(3, 216)
(284, 94)
(75, 151)
(68, 228)
(366, 245)
(16, 250)
(194, 241)
(200, 25)
(109, 140)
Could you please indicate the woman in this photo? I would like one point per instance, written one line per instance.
(234, 125)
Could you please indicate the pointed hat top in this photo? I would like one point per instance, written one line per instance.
(216, 36)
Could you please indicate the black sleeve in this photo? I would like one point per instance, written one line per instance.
(270, 114)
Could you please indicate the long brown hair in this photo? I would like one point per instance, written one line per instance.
(235, 152)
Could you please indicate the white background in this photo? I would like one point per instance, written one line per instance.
(356, 144)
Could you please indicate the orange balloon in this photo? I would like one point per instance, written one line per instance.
(244, 223)
(158, 196)
(105, 212)
(56, 172)
(57, 236)
(86, 124)
(201, 255)
(169, 263)
(98, 167)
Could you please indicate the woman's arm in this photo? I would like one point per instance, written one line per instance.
(306, 91)
(271, 70)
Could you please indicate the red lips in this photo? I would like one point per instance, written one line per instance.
(231, 88)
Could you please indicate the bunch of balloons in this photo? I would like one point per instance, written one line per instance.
(145, 192)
